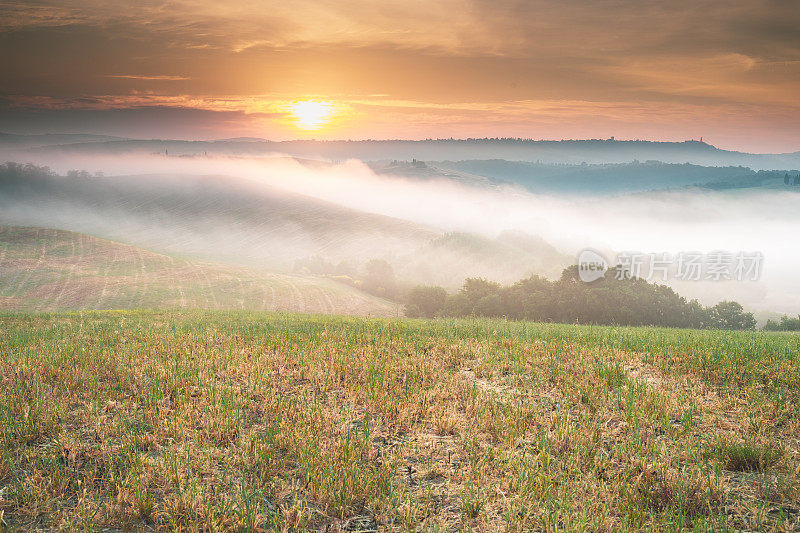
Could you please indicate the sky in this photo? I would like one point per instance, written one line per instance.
(727, 71)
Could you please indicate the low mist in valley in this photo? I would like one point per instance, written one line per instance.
(435, 226)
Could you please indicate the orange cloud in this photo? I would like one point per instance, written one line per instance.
(414, 68)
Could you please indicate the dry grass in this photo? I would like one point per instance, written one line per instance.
(245, 421)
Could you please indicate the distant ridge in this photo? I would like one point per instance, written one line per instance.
(568, 151)
(242, 140)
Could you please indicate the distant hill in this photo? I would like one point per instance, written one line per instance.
(596, 179)
(217, 218)
(48, 270)
(238, 221)
(591, 151)
(455, 256)
(241, 139)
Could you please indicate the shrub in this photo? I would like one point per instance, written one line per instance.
(424, 301)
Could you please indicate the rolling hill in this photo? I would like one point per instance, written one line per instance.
(218, 218)
(48, 270)
(592, 180)
(242, 222)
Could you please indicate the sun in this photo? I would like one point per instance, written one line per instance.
(312, 114)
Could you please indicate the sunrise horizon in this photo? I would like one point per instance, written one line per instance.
(463, 68)
(333, 139)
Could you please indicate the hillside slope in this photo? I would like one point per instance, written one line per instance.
(240, 221)
(46, 269)
(218, 218)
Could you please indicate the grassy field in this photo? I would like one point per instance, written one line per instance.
(260, 421)
(54, 270)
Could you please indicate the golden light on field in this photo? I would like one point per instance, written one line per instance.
(311, 114)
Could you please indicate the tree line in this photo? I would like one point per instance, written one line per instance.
(785, 324)
(613, 300)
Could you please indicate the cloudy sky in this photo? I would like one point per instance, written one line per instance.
(728, 71)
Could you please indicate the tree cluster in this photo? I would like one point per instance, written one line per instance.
(612, 300)
(786, 324)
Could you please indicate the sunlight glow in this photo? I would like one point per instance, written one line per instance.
(312, 115)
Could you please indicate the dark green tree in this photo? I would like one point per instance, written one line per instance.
(731, 315)
(626, 301)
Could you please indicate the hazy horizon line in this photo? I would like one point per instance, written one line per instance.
(247, 138)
